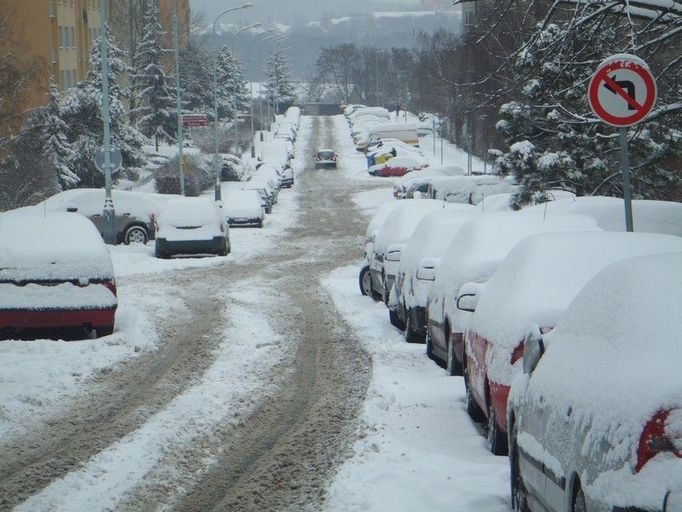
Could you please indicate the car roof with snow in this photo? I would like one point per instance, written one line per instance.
(399, 161)
(90, 201)
(190, 211)
(51, 245)
(465, 189)
(433, 234)
(485, 241)
(627, 317)
(543, 273)
(402, 221)
(649, 215)
(238, 199)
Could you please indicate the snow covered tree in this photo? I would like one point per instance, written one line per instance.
(554, 139)
(53, 140)
(278, 81)
(154, 114)
(196, 80)
(232, 91)
(81, 109)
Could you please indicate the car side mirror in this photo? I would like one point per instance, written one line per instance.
(393, 252)
(427, 269)
(467, 297)
(533, 350)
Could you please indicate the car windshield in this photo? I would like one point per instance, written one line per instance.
(325, 154)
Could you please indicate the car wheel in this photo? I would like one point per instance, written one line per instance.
(453, 366)
(162, 255)
(473, 410)
(411, 335)
(395, 319)
(104, 331)
(365, 281)
(519, 495)
(429, 344)
(497, 440)
(260, 223)
(135, 235)
(578, 499)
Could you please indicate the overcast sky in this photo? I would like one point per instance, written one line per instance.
(288, 11)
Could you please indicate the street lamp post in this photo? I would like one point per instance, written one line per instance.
(178, 92)
(216, 157)
(108, 211)
(234, 91)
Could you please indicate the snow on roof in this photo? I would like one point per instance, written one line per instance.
(469, 189)
(609, 212)
(190, 211)
(401, 223)
(51, 246)
(621, 335)
(379, 217)
(540, 277)
(433, 235)
(485, 241)
(90, 201)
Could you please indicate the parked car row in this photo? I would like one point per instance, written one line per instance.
(374, 134)
(565, 335)
(56, 273)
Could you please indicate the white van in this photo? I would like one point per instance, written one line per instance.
(405, 132)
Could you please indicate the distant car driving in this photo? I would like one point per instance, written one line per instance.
(325, 159)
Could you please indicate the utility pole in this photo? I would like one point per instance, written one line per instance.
(181, 166)
(108, 211)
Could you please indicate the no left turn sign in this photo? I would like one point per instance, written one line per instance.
(622, 91)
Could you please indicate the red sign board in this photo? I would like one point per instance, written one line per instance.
(194, 120)
(622, 91)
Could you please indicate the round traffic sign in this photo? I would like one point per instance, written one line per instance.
(622, 91)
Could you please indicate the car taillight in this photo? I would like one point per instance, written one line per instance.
(518, 353)
(110, 285)
(663, 433)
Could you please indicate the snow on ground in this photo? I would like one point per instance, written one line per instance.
(417, 447)
(226, 391)
(39, 377)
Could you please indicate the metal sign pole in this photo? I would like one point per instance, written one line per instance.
(433, 134)
(108, 211)
(627, 188)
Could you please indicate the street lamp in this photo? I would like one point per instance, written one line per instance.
(234, 90)
(216, 158)
(253, 144)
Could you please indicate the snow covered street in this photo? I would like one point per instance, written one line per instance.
(260, 381)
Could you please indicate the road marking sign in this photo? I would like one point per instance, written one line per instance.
(622, 91)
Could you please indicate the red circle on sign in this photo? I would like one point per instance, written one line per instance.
(601, 77)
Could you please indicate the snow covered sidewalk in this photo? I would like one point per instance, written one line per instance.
(417, 447)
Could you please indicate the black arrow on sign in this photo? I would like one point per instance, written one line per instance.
(627, 85)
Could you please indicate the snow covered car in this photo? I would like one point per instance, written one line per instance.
(287, 177)
(325, 159)
(365, 277)
(595, 419)
(134, 212)
(265, 191)
(394, 231)
(399, 166)
(474, 254)
(534, 285)
(55, 273)
(191, 225)
(271, 174)
(417, 268)
(243, 208)
(468, 189)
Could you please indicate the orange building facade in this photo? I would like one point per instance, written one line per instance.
(60, 34)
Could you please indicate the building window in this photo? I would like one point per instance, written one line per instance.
(72, 31)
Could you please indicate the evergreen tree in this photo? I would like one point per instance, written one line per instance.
(555, 141)
(279, 83)
(232, 91)
(154, 114)
(54, 141)
(196, 80)
(81, 109)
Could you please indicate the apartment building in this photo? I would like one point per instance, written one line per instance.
(60, 34)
